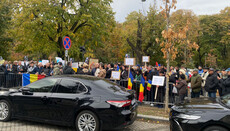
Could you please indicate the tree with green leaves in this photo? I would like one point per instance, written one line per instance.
(41, 24)
(5, 17)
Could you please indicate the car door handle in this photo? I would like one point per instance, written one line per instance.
(44, 98)
(75, 99)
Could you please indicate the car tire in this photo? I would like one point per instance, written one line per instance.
(5, 110)
(86, 118)
(215, 128)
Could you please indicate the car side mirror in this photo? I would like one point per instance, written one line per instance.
(26, 91)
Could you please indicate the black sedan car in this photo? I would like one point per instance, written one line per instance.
(88, 103)
(203, 114)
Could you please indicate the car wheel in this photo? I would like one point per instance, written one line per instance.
(87, 121)
(215, 128)
(5, 110)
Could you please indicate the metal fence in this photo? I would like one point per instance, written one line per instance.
(10, 80)
(14, 80)
(149, 96)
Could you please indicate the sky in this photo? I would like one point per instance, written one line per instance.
(200, 7)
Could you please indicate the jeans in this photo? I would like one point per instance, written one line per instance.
(195, 94)
(212, 94)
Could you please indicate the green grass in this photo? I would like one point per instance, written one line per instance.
(153, 111)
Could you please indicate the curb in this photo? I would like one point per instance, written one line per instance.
(155, 118)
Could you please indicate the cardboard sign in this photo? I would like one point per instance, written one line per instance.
(145, 58)
(129, 61)
(115, 75)
(158, 80)
(58, 59)
(75, 66)
(92, 61)
(22, 62)
(44, 62)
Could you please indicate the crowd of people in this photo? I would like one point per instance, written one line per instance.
(183, 82)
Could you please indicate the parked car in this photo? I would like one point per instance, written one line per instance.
(201, 114)
(86, 102)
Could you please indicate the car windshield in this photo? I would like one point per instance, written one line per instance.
(226, 100)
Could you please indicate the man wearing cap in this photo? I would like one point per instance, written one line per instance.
(225, 83)
(196, 81)
(211, 83)
(32, 69)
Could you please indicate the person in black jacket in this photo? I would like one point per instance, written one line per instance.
(68, 69)
(15, 67)
(3, 68)
(211, 84)
(225, 83)
(109, 71)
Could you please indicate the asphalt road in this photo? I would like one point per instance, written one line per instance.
(19, 125)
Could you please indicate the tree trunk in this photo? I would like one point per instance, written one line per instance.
(168, 61)
(60, 52)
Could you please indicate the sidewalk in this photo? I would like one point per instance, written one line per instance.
(154, 118)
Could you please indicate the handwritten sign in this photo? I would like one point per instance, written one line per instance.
(145, 58)
(115, 75)
(44, 62)
(92, 61)
(129, 61)
(75, 66)
(158, 80)
(22, 62)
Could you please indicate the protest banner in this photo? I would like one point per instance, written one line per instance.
(115, 75)
(75, 66)
(145, 59)
(158, 80)
(44, 62)
(92, 61)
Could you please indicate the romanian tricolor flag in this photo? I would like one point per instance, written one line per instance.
(130, 81)
(30, 78)
(149, 85)
(118, 68)
(141, 92)
(157, 64)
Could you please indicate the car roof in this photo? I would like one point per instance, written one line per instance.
(83, 77)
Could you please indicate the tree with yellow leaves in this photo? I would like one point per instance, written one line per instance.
(172, 39)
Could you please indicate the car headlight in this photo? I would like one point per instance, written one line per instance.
(188, 117)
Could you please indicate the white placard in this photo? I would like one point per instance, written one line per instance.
(145, 58)
(22, 62)
(44, 62)
(129, 61)
(158, 80)
(115, 75)
(58, 59)
(75, 65)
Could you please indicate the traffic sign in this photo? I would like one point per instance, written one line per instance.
(66, 53)
(67, 42)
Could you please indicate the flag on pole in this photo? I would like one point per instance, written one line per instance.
(141, 91)
(130, 81)
(157, 64)
(149, 85)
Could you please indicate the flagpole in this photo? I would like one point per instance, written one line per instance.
(128, 72)
(156, 92)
